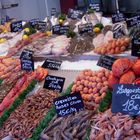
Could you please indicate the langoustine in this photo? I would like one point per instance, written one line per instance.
(109, 126)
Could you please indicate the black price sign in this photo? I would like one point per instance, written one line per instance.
(16, 26)
(133, 21)
(75, 14)
(95, 6)
(135, 47)
(60, 29)
(106, 62)
(85, 28)
(52, 64)
(34, 22)
(26, 59)
(69, 104)
(53, 11)
(118, 18)
(42, 25)
(126, 99)
(54, 83)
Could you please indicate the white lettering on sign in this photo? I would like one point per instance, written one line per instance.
(127, 91)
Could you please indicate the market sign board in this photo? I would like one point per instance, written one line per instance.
(126, 99)
(85, 28)
(135, 50)
(75, 14)
(95, 6)
(119, 17)
(133, 21)
(60, 29)
(106, 61)
(34, 22)
(16, 26)
(54, 83)
(66, 105)
(52, 64)
(26, 59)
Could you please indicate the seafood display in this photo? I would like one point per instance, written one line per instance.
(27, 116)
(21, 43)
(21, 84)
(109, 126)
(27, 109)
(114, 46)
(92, 85)
(80, 45)
(69, 128)
(125, 71)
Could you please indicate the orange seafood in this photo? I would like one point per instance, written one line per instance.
(137, 81)
(128, 78)
(112, 80)
(136, 67)
(121, 66)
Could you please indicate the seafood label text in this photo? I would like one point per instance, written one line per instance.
(69, 104)
(60, 29)
(135, 50)
(133, 21)
(75, 14)
(95, 6)
(126, 99)
(106, 61)
(52, 64)
(16, 26)
(26, 59)
(119, 17)
(54, 83)
(85, 28)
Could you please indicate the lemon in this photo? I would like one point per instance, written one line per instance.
(27, 30)
(48, 33)
(2, 40)
(5, 31)
(61, 21)
(96, 30)
(25, 37)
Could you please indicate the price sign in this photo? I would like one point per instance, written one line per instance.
(118, 18)
(135, 47)
(53, 11)
(85, 28)
(52, 64)
(16, 26)
(54, 83)
(75, 14)
(126, 99)
(69, 104)
(133, 21)
(41, 25)
(106, 61)
(95, 6)
(34, 22)
(60, 29)
(26, 60)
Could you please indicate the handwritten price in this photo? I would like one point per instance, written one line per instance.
(130, 105)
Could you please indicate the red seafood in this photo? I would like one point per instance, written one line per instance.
(121, 66)
(137, 81)
(128, 78)
(136, 67)
(112, 80)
